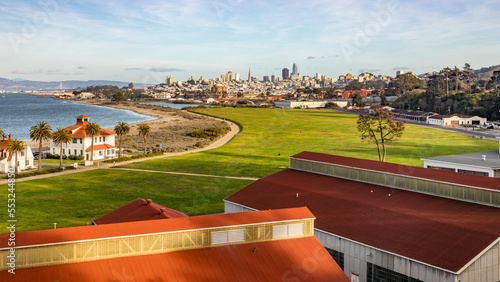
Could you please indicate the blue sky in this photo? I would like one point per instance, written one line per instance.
(144, 41)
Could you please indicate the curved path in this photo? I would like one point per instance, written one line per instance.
(218, 143)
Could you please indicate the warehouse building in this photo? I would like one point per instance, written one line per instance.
(389, 222)
(271, 245)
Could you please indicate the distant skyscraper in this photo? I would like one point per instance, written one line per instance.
(249, 75)
(229, 75)
(285, 73)
(131, 85)
(295, 70)
(318, 76)
(399, 73)
(266, 78)
(169, 80)
(273, 78)
(237, 76)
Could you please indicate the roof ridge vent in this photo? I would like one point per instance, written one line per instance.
(149, 201)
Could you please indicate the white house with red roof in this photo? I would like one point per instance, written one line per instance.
(24, 160)
(104, 142)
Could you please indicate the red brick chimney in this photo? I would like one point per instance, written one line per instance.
(10, 137)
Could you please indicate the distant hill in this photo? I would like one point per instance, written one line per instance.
(486, 72)
(30, 85)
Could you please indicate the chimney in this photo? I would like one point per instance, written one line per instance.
(162, 210)
(10, 137)
(149, 201)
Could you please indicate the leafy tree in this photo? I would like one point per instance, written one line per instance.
(468, 75)
(16, 147)
(355, 85)
(405, 82)
(376, 84)
(358, 100)
(92, 129)
(383, 100)
(121, 129)
(144, 130)
(40, 132)
(60, 137)
(119, 97)
(380, 129)
(446, 73)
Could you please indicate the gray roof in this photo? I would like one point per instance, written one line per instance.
(472, 159)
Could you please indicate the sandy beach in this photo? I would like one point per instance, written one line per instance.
(169, 130)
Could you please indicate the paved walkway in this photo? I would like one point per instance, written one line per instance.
(220, 142)
(189, 174)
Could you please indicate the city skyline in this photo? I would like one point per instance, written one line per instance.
(145, 42)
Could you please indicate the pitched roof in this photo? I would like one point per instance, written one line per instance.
(81, 132)
(138, 209)
(438, 231)
(418, 172)
(71, 234)
(273, 261)
(82, 116)
(100, 147)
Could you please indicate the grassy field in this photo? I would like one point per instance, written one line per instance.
(270, 136)
(75, 199)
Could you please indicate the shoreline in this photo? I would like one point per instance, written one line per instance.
(170, 128)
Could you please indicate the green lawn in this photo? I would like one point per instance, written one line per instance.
(270, 136)
(75, 199)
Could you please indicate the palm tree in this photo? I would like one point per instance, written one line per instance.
(121, 129)
(60, 137)
(40, 132)
(1, 133)
(92, 129)
(144, 130)
(14, 147)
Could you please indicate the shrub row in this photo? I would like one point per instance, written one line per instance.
(45, 171)
(71, 157)
(210, 133)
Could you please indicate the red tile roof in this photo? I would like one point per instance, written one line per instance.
(412, 171)
(139, 209)
(82, 116)
(71, 234)
(100, 147)
(81, 131)
(438, 231)
(301, 259)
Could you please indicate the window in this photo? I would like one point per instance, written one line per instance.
(441, 168)
(227, 236)
(103, 139)
(81, 140)
(473, 172)
(75, 140)
(337, 256)
(95, 139)
(378, 273)
(288, 230)
(27, 162)
(100, 153)
(63, 152)
(100, 139)
(69, 151)
(81, 152)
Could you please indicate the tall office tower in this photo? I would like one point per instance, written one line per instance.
(169, 80)
(249, 75)
(237, 76)
(285, 73)
(266, 78)
(295, 70)
(318, 76)
(399, 73)
(229, 75)
(131, 85)
(273, 78)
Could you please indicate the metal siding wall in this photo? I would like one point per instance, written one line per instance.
(486, 268)
(401, 181)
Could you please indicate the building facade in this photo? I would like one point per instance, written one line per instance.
(7, 160)
(80, 145)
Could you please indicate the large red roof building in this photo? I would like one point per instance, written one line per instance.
(81, 142)
(272, 245)
(382, 220)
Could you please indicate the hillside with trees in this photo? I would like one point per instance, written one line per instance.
(456, 91)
